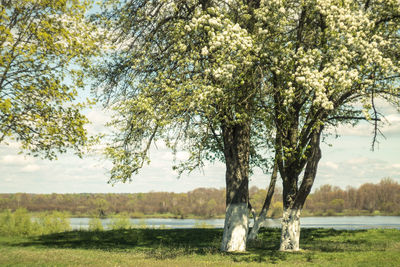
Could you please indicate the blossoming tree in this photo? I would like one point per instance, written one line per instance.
(327, 63)
(41, 42)
(219, 78)
(187, 73)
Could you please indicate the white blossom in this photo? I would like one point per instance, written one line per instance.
(204, 51)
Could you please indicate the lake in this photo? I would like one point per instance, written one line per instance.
(335, 222)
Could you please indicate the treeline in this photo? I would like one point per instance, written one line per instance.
(382, 198)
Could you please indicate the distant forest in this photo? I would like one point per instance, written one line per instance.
(369, 199)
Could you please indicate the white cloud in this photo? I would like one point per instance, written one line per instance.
(396, 166)
(13, 144)
(330, 165)
(31, 168)
(356, 171)
(357, 161)
(392, 127)
(389, 126)
(363, 129)
(15, 160)
(393, 118)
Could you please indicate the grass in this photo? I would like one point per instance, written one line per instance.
(199, 247)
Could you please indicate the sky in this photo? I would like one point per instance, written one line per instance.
(346, 161)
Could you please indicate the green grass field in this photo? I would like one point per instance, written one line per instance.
(199, 247)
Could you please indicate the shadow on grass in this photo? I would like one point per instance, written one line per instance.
(172, 243)
(331, 240)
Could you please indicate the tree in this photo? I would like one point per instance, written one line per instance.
(209, 77)
(187, 73)
(100, 206)
(260, 219)
(42, 43)
(327, 63)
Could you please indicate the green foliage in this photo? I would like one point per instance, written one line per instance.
(43, 44)
(54, 222)
(95, 224)
(337, 204)
(206, 82)
(21, 223)
(210, 203)
(18, 223)
(120, 221)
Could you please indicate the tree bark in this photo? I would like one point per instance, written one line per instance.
(235, 228)
(290, 237)
(236, 151)
(294, 197)
(260, 220)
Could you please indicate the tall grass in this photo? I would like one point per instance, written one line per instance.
(21, 223)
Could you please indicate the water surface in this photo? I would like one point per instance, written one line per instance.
(335, 222)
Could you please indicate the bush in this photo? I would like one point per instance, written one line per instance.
(55, 222)
(18, 223)
(21, 223)
(95, 224)
(121, 221)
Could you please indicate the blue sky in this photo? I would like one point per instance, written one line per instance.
(348, 161)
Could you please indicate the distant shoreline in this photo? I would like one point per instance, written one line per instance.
(381, 199)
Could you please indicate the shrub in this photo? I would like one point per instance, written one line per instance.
(21, 223)
(120, 221)
(16, 224)
(95, 224)
(54, 222)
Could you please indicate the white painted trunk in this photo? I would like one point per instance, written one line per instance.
(290, 239)
(258, 223)
(236, 228)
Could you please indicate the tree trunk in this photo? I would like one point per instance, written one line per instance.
(260, 220)
(294, 197)
(236, 227)
(258, 223)
(290, 238)
(236, 152)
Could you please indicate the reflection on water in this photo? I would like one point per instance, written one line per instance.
(345, 222)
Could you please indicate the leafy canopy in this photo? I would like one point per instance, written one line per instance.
(180, 72)
(42, 45)
(328, 63)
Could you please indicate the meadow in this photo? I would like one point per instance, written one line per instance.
(199, 247)
(47, 240)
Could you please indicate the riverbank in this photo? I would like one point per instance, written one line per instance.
(339, 223)
(199, 247)
(305, 213)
